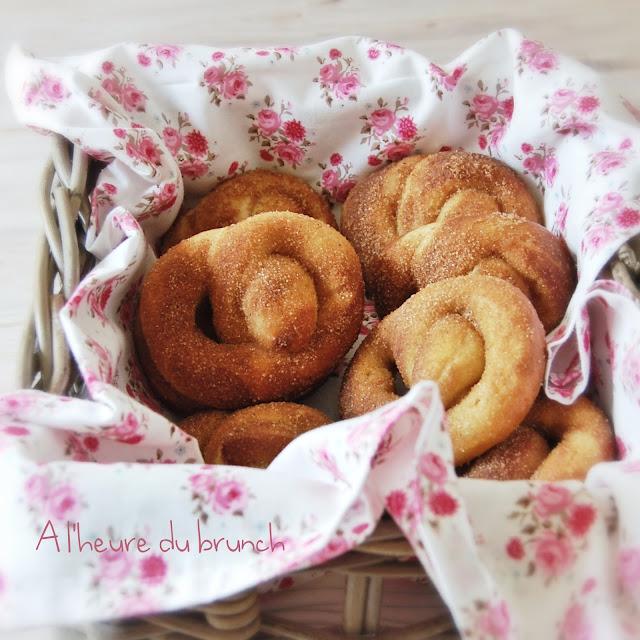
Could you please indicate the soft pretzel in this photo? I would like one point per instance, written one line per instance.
(478, 337)
(515, 458)
(392, 211)
(238, 198)
(251, 437)
(506, 246)
(579, 434)
(259, 311)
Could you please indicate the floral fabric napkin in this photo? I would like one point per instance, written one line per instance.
(170, 122)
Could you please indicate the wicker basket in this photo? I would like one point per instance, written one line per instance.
(47, 364)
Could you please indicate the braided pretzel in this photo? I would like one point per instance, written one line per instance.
(580, 434)
(286, 300)
(391, 212)
(478, 337)
(251, 437)
(256, 191)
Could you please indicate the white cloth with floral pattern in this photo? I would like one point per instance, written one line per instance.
(170, 121)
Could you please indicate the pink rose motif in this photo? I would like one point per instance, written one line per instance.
(550, 499)
(496, 622)
(553, 554)
(91, 443)
(37, 488)
(61, 501)
(398, 150)
(495, 135)
(53, 89)
(561, 99)
(343, 190)
(112, 87)
(172, 139)
(336, 547)
(153, 569)
(598, 236)
(451, 81)
(382, 120)
(214, 76)
(133, 99)
(629, 568)
(335, 54)
(294, 130)
(550, 170)
(433, 467)
(626, 144)
(268, 121)
(289, 153)
(515, 549)
(395, 503)
(127, 430)
(196, 143)
(544, 61)
(484, 106)
(335, 159)
(347, 86)
(373, 53)
(329, 74)
(15, 430)
(606, 161)
(203, 482)
(406, 128)
(587, 104)
(442, 504)
(526, 147)
(167, 51)
(265, 155)
(115, 565)
(330, 179)
(107, 67)
(611, 201)
(149, 151)
(193, 168)
(234, 85)
(109, 188)
(529, 48)
(144, 60)
(373, 161)
(167, 196)
(581, 517)
(506, 107)
(217, 55)
(119, 133)
(230, 495)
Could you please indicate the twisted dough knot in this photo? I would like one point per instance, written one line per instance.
(391, 215)
(555, 442)
(236, 199)
(259, 311)
(251, 437)
(478, 337)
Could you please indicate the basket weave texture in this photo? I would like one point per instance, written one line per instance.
(46, 364)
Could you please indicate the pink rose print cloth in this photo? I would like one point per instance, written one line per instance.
(172, 121)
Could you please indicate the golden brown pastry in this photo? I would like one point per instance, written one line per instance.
(478, 337)
(251, 437)
(238, 198)
(556, 442)
(259, 311)
(506, 246)
(389, 213)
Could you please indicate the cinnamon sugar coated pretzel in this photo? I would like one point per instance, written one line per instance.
(391, 212)
(506, 246)
(238, 198)
(562, 442)
(478, 337)
(251, 437)
(259, 311)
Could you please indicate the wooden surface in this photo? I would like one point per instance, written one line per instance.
(603, 35)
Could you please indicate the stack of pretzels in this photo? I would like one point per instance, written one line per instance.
(257, 297)
(455, 257)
